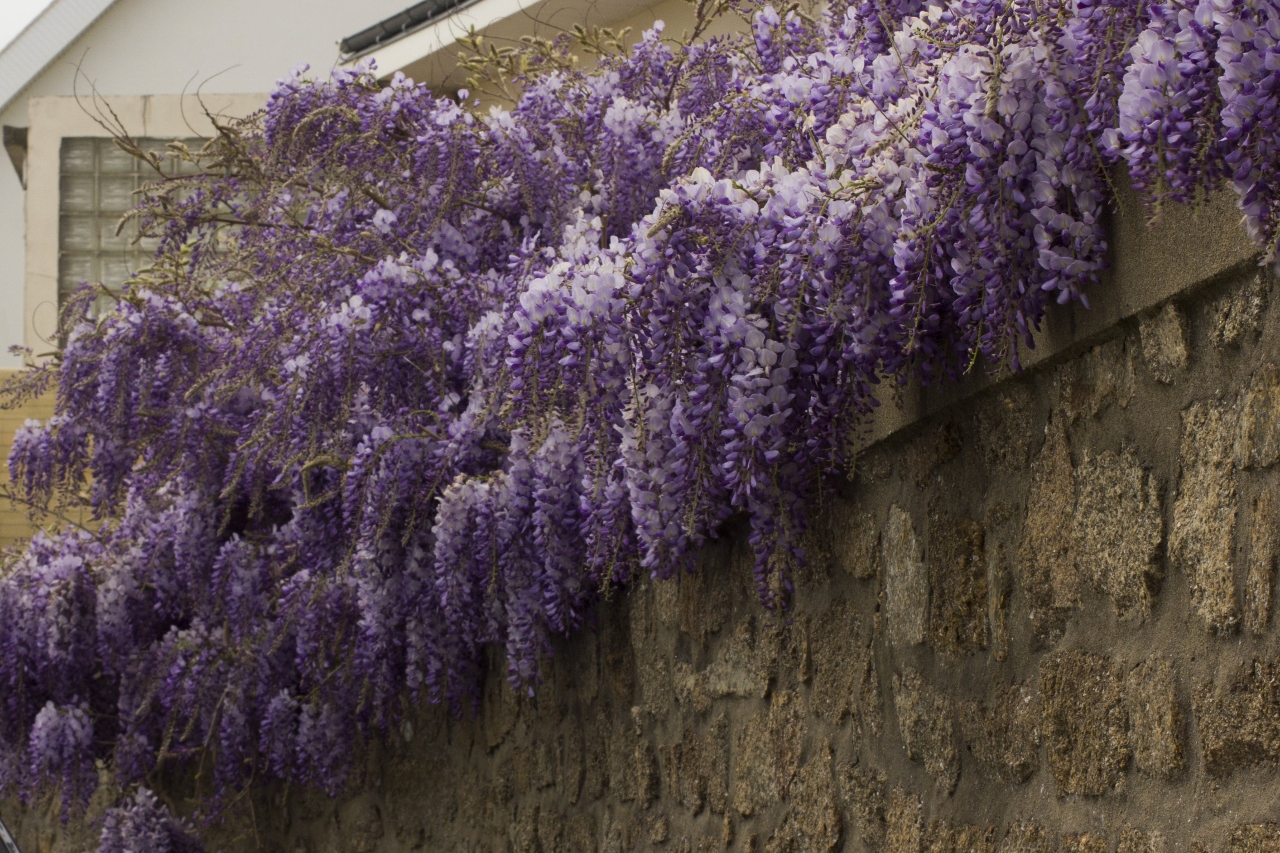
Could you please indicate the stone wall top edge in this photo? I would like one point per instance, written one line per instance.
(1187, 248)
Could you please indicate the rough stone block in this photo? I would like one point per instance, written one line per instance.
(1117, 530)
(871, 698)
(1085, 724)
(1025, 837)
(904, 823)
(621, 752)
(1095, 380)
(906, 582)
(1137, 841)
(524, 831)
(839, 650)
(1004, 735)
(958, 580)
(999, 587)
(744, 665)
(1239, 720)
(754, 786)
(1164, 343)
(812, 823)
(685, 776)
(1204, 515)
(1004, 428)
(1155, 718)
(768, 754)
(934, 447)
(715, 764)
(1258, 428)
(647, 776)
(704, 601)
(1045, 566)
(1238, 315)
(1262, 563)
(946, 837)
(1083, 842)
(1255, 838)
(581, 833)
(927, 725)
(863, 792)
(855, 540)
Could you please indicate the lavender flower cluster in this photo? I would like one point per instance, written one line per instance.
(411, 380)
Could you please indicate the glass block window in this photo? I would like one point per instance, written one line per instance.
(98, 182)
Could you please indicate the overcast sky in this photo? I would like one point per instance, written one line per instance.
(16, 14)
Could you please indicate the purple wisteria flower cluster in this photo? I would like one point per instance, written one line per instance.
(411, 379)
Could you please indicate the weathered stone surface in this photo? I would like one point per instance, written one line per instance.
(1004, 735)
(704, 602)
(581, 833)
(787, 729)
(863, 792)
(647, 776)
(871, 698)
(906, 582)
(946, 837)
(768, 754)
(1258, 428)
(812, 823)
(360, 824)
(1239, 720)
(686, 779)
(754, 786)
(1100, 377)
(855, 540)
(1237, 315)
(1255, 838)
(715, 764)
(1117, 530)
(621, 751)
(1045, 565)
(839, 658)
(927, 725)
(928, 452)
(958, 573)
(1262, 563)
(904, 823)
(1005, 428)
(1164, 343)
(999, 587)
(1085, 724)
(744, 665)
(1083, 842)
(1026, 837)
(1137, 841)
(1204, 515)
(1155, 718)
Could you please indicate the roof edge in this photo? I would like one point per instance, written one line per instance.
(42, 41)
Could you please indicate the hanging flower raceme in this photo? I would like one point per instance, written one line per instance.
(411, 380)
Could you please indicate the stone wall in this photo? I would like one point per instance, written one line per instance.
(1039, 620)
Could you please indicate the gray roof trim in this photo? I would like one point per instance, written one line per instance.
(43, 41)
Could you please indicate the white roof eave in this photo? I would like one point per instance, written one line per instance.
(43, 41)
(403, 51)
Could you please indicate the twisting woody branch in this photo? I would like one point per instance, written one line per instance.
(410, 378)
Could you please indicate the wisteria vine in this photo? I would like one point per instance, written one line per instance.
(411, 378)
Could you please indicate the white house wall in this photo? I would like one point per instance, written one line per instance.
(156, 47)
